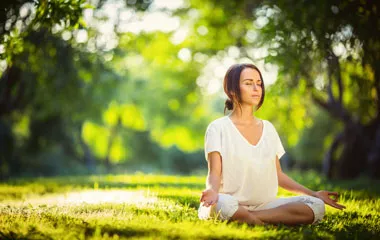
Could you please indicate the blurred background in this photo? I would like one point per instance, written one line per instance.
(117, 86)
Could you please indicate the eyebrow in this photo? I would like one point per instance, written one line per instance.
(249, 79)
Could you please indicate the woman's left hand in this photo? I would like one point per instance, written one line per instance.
(333, 202)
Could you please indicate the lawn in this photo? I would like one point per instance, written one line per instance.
(143, 206)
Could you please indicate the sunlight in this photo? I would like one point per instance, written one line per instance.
(95, 197)
(211, 78)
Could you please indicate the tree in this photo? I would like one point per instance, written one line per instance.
(18, 21)
(330, 47)
(334, 39)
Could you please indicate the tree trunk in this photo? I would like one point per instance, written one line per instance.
(352, 161)
(360, 142)
(328, 161)
(6, 150)
(11, 90)
(374, 152)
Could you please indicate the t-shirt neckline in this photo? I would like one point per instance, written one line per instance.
(241, 135)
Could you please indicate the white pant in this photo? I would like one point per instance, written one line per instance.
(227, 205)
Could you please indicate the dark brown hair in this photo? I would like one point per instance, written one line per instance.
(231, 84)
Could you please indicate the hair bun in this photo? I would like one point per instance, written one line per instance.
(228, 104)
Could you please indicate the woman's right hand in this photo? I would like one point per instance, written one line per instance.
(209, 197)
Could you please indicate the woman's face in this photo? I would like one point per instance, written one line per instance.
(250, 87)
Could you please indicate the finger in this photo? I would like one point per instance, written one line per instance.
(334, 196)
(210, 203)
(333, 199)
(334, 205)
(337, 205)
(333, 193)
(204, 198)
(341, 206)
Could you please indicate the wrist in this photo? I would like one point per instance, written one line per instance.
(210, 188)
(314, 194)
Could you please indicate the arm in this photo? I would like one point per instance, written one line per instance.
(214, 171)
(289, 184)
(210, 195)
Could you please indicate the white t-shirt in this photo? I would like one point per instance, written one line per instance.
(248, 171)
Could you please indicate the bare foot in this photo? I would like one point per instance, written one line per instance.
(244, 216)
(255, 219)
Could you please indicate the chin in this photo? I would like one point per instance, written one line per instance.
(253, 105)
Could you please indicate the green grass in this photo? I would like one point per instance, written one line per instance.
(143, 206)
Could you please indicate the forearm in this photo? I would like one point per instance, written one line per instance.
(213, 182)
(289, 184)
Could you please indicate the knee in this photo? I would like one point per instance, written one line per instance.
(319, 211)
(226, 206)
(318, 207)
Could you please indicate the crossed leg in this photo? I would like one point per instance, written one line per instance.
(289, 211)
(242, 215)
(290, 214)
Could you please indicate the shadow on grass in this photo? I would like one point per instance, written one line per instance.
(31, 234)
(88, 232)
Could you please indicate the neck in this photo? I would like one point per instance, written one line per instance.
(244, 115)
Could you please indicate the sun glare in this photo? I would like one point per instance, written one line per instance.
(95, 197)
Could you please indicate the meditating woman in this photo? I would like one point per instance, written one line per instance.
(244, 170)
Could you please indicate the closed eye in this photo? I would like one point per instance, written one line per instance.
(260, 84)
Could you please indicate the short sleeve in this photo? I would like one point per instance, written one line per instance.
(213, 140)
(280, 151)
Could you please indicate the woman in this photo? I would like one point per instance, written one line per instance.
(243, 155)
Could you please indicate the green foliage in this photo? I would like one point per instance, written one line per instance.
(315, 139)
(20, 19)
(165, 207)
(301, 37)
(139, 103)
(164, 89)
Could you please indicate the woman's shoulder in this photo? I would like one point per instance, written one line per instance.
(267, 122)
(218, 123)
(269, 125)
